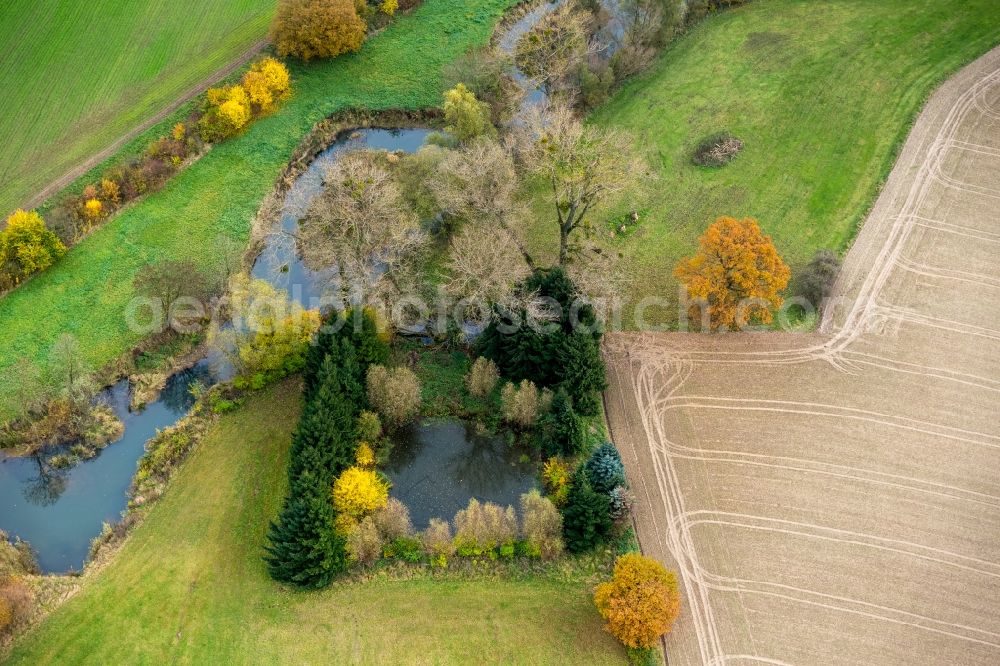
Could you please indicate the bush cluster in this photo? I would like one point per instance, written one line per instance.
(226, 111)
(33, 245)
(597, 498)
(565, 354)
(303, 547)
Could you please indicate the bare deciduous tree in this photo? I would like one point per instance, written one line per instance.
(361, 225)
(477, 182)
(486, 264)
(582, 165)
(551, 52)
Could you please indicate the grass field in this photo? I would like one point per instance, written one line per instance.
(189, 587)
(86, 294)
(821, 94)
(79, 75)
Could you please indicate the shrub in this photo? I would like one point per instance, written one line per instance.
(556, 477)
(437, 542)
(482, 378)
(227, 112)
(110, 191)
(16, 601)
(388, 7)
(815, 283)
(466, 117)
(407, 549)
(604, 469)
(393, 520)
(482, 528)
(621, 503)
(716, 150)
(586, 516)
(27, 246)
(369, 428)
(563, 434)
(270, 336)
(267, 83)
(364, 542)
(310, 29)
(395, 394)
(541, 526)
(485, 73)
(364, 456)
(359, 492)
(16, 558)
(596, 81)
(641, 601)
(520, 404)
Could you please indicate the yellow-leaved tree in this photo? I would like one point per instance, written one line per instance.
(466, 117)
(737, 274)
(26, 246)
(270, 333)
(310, 29)
(266, 84)
(640, 602)
(359, 492)
(227, 112)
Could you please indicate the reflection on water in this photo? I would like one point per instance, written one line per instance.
(436, 470)
(60, 511)
(280, 263)
(437, 466)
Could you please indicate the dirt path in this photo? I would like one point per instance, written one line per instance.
(192, 92)
(833, 498)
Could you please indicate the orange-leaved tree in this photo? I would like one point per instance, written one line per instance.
(736, 274)
(640, 602)
(317, 28)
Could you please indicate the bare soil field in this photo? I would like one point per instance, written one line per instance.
(834, 498)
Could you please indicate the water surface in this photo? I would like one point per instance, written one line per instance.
(436, 467)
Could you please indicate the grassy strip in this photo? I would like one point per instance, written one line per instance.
(208, 207)
(189, 585)
(79, 75)
(821, 96)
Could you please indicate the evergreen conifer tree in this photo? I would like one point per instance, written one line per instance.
(303, 549)
(586, 516)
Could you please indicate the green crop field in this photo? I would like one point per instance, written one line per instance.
(189, 587)
(79, 75)
(821, 94)
(87, 292)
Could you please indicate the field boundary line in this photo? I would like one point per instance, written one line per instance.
(193, 91)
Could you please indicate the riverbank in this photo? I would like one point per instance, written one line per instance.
(206, 210)
(190, 585)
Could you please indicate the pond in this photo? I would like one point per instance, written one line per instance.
(60, 511)
(436, 467)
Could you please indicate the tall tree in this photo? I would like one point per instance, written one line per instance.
(303, 549)
(586, 516)
(582, 164)
(362, 226)
(737, 274)
(317, 28)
